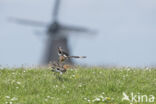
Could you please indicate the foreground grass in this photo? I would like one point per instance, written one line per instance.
(79, 86)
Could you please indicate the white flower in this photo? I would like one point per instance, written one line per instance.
(97, 99)
(18, 83)
(103, 99)
(128, 69)
(7, 97)
(48, 96)
(14, 98)
(10, 102)
(13, 81)
(147, 68)
(85, 98)
(101, 96)
(80, 85)
(73, 75)
(51, 97)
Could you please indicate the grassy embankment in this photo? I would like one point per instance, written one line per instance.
(77, 86)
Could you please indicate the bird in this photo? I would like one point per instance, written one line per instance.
(56, 67)
(64, 56)
(59, 66)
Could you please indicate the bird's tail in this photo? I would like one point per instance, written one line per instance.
(77, 57)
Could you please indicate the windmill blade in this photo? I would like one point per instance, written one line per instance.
(41, 33)
(28, 22)
(77, 29)
(56, 10)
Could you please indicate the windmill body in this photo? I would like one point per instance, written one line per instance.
(54, 40)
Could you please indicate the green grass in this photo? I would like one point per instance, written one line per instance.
(77, 86)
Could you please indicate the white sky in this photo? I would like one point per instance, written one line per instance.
(126, 31)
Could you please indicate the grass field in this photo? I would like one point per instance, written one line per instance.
(77, 86)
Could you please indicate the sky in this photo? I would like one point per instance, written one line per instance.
(126, 31)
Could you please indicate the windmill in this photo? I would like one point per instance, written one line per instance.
(57, 34)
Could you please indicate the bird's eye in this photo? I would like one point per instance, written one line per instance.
(57, 68)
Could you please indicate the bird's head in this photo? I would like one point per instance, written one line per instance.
(59, 48)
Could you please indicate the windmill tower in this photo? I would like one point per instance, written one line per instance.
(57, 34)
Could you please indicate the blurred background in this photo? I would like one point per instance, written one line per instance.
(124, 31)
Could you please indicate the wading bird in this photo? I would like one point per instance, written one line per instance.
(63, 56)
